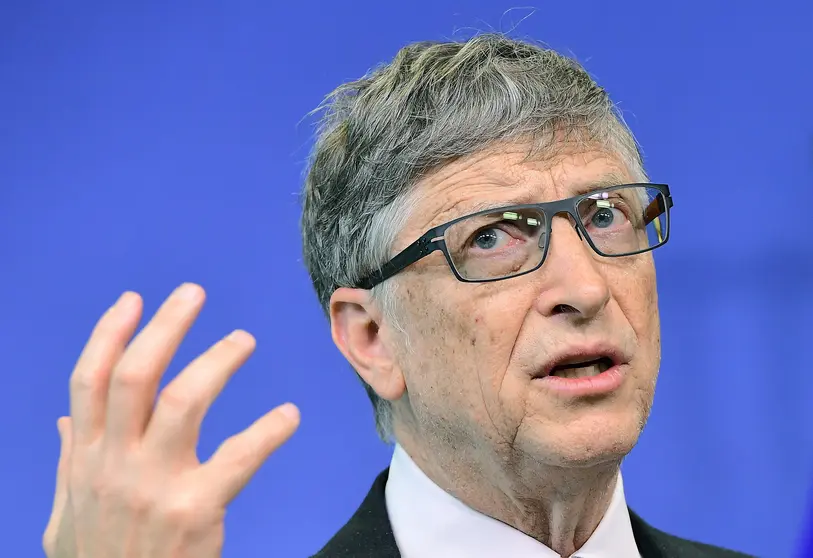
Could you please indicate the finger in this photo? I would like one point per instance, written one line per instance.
(183, 403)
(239, 457)
(135, 378)
(66, 440)
(61, 491)
(91, 375)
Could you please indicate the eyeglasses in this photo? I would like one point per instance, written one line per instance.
(507, 242)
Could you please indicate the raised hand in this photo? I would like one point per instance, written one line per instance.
(129, 483)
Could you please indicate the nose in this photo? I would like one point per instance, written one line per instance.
(573, 282)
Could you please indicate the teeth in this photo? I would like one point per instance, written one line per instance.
(581, 372)
(587, 369)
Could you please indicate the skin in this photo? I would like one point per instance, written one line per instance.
(466, 408)
(129, 483)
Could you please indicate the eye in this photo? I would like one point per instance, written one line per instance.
(606, 217)
(603, 218)
(490, 238)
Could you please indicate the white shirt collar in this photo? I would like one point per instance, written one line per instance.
(428, 522)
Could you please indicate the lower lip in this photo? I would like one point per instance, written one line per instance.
(606, 382)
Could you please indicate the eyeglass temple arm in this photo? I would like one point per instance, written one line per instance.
(406, 257)
(656, 208)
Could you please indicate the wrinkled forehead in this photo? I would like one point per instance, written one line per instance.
(511, 176)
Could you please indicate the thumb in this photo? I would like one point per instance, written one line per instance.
(63, 425)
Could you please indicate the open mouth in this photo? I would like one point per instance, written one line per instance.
(582, 369)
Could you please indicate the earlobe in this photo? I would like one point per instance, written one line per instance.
(359, 332)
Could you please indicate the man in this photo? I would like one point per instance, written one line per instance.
(479, 228)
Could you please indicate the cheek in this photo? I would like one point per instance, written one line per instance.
(637, 295)
(638, 298)
(476, 335)
(459, 353)
(491, 331)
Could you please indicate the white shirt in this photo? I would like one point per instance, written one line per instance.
(428, 522)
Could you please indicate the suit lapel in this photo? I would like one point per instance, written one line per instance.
(368, 533)
(645, 537)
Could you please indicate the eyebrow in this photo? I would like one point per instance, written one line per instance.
(606, 181)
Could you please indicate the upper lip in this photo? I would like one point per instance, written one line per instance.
(582, 353)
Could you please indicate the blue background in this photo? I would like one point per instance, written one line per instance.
(144, 144)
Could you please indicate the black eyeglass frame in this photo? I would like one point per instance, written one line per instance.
(433, 239)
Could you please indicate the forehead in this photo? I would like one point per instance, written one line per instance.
(509, 175)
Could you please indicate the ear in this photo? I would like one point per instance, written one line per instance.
(356, 326)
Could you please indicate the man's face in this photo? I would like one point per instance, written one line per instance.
(477, 350)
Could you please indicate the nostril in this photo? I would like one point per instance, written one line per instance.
(564, 309)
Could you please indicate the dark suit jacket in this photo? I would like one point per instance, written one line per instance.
(368, 534)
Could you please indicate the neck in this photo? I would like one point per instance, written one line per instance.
(558, 506)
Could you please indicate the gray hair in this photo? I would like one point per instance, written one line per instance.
(434, 103)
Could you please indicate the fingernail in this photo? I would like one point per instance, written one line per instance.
(240, 337)
(118, 301)
(188, 291)
(290, 411)
(126, 300)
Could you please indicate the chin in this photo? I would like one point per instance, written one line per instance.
(593, 455)
(588, 441)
